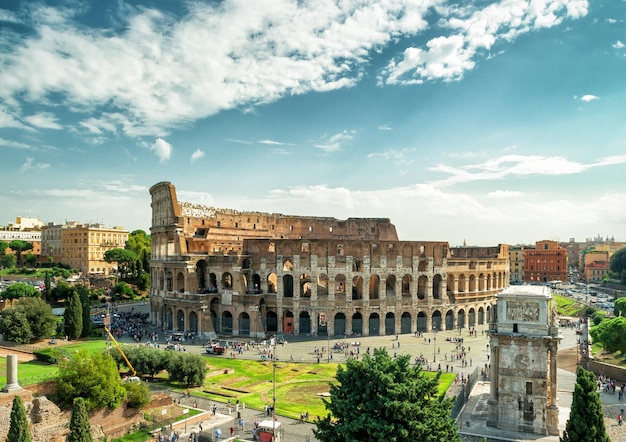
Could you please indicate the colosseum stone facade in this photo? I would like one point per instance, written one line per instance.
(225, 272)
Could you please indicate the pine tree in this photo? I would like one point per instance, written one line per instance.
(18, 428)
(80, 428)
(586, 419)
(73, 316)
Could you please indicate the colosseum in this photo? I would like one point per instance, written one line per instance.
(224, 272)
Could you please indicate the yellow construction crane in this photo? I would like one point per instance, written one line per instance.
(133, 378)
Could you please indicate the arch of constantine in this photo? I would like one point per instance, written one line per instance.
(219, 271)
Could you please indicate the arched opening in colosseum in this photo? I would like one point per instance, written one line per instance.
(245, 264)
(227, 281)
(322, 327)
(374, 286)
(471, 318)
(212, 283)
(405, 323)
(227, 323)
(357, 324)
(422, 265)
(305, 285)
(170, 319)
(472, 283)
(193, 322)
(287, 286)
(244, 324)
(437, 286)
(422, 322)
(481, 315)
(422, 286)
(357, 266)
(450, 320)
(322, 285)
(390, 324)
(340, 324)
(357, 288)
(436, 321)
(406, 285)
(374, 322)
(201, 269)
(305, 323)
(180, 320)
(287, 266)
(390, 285)
(340, 284)
(481, 282)
(461, 319)
(180, 282)
(461, 283)
(272, 283)
(256, 284)
(215, 307)
(271, 322)
(288, 322)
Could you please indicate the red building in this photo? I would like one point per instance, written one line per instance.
(546, 262)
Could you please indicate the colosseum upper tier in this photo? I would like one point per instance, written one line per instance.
(224, 272)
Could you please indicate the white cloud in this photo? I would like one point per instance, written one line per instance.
(197, 155)
(618, 44)
(29, 164)
(334, 143)
(588, 98)
(43, 120)
(162, 148)
(518, 166)
(448, 57)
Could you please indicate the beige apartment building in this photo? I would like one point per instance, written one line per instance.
(82, 246)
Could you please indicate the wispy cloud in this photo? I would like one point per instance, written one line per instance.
(334, 143)
(29, 164)
(197, 155)
(44, 120)
(517, 166)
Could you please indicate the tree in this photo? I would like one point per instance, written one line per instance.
(187, 369)
(18, 427)
(93, 377)
(140, 243)
(586, 419)
(83, 295)
(39, 315)
(14, 326)
(73, 316)
(19, 246)
(20, 290)
(123, 257)
(381, 398)
(611, 333)
(80, 428)
(618, 264)
(8, 261)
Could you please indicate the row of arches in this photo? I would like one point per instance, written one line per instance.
(339, 324)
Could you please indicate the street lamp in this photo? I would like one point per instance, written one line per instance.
(434, 344)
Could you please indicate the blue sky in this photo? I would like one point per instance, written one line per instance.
(486, 122)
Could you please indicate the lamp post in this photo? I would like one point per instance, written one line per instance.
(434, 343)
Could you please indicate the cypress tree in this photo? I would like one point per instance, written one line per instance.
(18, 428)
(80, 428)
(73, 316)
(586, 419)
